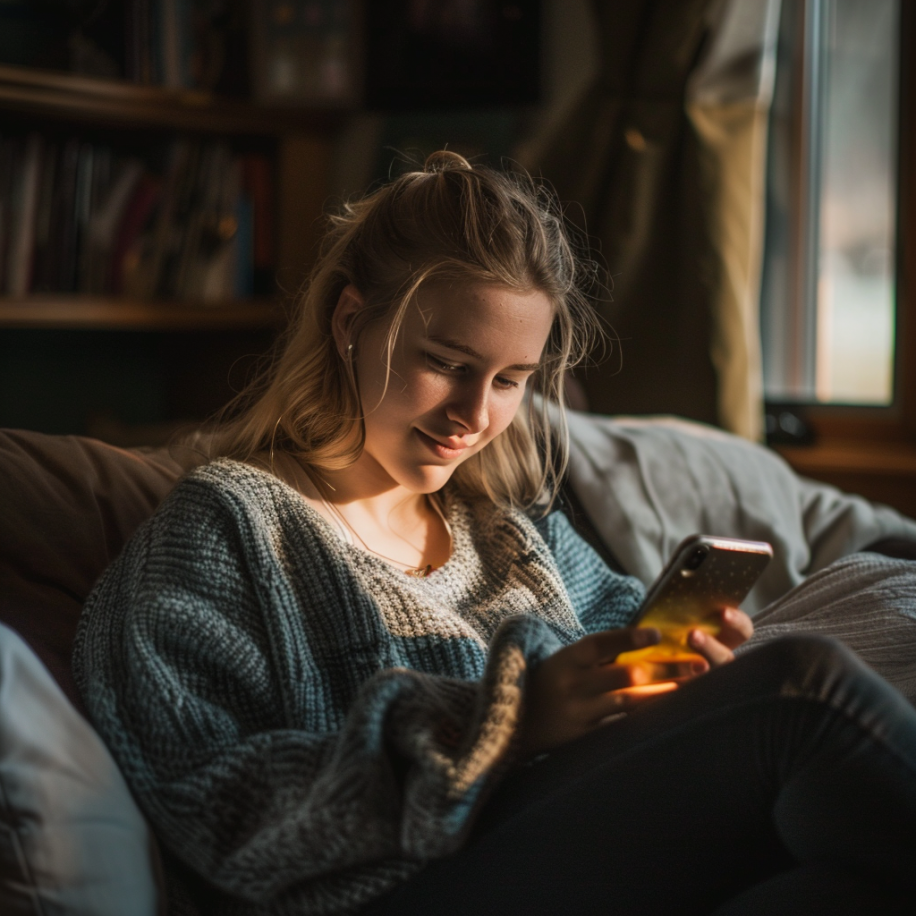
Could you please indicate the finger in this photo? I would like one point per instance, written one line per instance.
(601, 679)
(682, 669)
(733, 627)
(627, 698)
(602, 648)
(736, 628)
(710, 648)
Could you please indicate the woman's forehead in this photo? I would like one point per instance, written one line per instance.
(474, 318)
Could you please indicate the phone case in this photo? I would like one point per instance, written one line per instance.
(705, 574)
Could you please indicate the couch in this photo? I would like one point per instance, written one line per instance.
(72, 841)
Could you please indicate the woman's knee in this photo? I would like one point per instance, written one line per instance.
(816, 667)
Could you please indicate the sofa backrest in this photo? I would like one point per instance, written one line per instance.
(67, 506)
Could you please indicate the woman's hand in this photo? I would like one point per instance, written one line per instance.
(735, 628)
(578, 687)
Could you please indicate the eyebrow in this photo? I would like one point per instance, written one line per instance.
(470, 351)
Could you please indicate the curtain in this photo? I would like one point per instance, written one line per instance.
(664, 159)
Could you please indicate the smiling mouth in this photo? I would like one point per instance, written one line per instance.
(437, 448)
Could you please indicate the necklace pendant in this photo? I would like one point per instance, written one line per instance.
(420, 572)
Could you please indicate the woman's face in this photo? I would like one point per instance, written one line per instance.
(457, 376)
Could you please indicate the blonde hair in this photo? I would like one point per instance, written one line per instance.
(449, 221)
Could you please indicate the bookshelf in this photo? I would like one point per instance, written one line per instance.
(106, 313)
(113, 327)
(72, 97)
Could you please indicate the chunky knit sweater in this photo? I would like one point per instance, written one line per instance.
(303, 724)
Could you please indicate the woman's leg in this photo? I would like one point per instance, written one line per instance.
(792, 760)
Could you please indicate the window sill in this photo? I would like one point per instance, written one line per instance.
(883, 472)
(886, 458)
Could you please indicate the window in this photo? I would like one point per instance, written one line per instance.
(838, 305)
(829, 297)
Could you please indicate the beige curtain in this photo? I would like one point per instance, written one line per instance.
(664, 154)
(728, 100)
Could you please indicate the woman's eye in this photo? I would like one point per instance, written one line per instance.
(441, 365)
(506, 384)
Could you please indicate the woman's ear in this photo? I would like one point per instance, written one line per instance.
(349, 303)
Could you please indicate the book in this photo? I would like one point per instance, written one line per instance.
(22, 216)
(44, 226)
(207, 268)
(7, 159)
(154, 249)
(244, 247)
(258, 187)
(105, 221)
(219, 254)
(129, 249)
(172, 48)
(82, 210)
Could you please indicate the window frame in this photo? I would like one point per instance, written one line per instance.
(897, 421)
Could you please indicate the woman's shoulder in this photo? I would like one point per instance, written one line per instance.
(223, 478)
(227, 492)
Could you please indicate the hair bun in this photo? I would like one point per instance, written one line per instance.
(444, 160)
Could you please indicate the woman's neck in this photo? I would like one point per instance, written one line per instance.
(391, 521)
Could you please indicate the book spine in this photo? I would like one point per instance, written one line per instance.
(131, 234)
(244, 248)
(170, 44)
(44, 226)
(257, 184)
(197, 211)
(131, 42)
(184, 16)
(86, 167)
(106, 217)
(99, 187)
(22, 227)
(144, 41)
(6, 184)
(224, 268)
(149, 278)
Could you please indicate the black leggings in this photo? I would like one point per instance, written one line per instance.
(784, 783)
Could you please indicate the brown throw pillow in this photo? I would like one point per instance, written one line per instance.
(67, 505)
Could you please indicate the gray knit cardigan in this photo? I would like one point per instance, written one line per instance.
(304, 725)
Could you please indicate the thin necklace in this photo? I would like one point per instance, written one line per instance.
(416, 572)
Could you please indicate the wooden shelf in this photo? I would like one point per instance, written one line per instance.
(66, 96)
(105, 313)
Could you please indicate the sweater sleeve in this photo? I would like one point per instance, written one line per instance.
(602, 598)
(185, 671)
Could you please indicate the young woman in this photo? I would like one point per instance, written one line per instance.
(356, 664)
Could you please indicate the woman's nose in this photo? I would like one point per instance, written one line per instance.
(469, 407)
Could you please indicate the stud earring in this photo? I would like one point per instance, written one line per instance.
(350, 352)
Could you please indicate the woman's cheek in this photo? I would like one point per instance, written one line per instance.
(505, 412)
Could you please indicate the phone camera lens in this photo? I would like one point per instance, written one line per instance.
(695, 560)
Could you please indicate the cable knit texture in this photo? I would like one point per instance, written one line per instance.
(303, 724)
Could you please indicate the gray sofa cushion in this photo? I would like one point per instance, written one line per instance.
(648, 483)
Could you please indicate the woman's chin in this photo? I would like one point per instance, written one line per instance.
(427, 478)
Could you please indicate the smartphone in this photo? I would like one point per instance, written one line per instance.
(704, 575)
